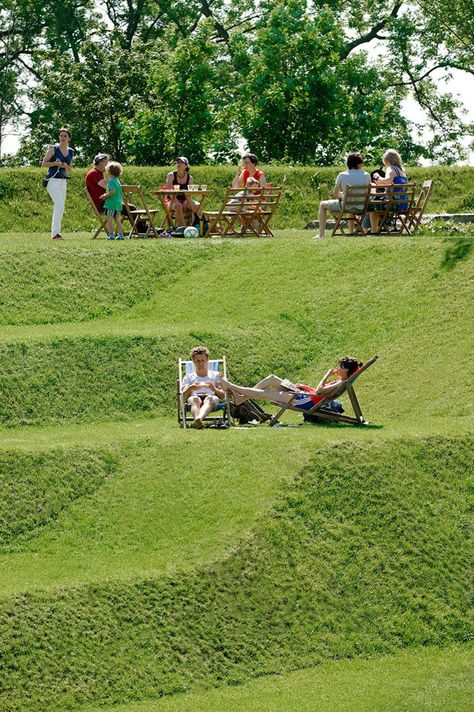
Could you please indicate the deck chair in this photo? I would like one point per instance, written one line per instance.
(218, 418)
(141, 215)
(353, 207)
(398, 201)
(325, 413)
(267, 200)
(416, 212)
(101, 217)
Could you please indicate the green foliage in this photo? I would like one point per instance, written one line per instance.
(149, 80)
(37, 488)
(26, 207)
(366, 552)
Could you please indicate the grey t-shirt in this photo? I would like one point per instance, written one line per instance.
(353, 176)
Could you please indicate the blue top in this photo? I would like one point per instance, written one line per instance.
(400, 180)
(55, 171)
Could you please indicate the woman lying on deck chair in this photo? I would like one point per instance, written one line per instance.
(274, 388)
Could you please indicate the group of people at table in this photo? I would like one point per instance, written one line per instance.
(105, 190)
(203, 388)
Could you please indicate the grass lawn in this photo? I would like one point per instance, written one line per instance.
(425, 680)
(139, 560)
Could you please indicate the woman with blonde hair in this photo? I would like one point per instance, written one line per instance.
(394, 174)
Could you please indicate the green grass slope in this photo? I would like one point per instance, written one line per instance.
(365, 552)
(428, 680)
(138, 560)
(26, 206)
(290, 305)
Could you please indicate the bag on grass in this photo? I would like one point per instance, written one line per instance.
(248, 411)
(335, 406)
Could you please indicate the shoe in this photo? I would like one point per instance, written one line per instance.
(317, 237)
(57, 237)
(120, 236)
(111, 237)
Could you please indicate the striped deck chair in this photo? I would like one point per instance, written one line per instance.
(218, 418)
(325, 413)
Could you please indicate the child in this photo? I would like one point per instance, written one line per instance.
(113, 200)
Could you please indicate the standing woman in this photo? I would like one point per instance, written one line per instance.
(58, 161)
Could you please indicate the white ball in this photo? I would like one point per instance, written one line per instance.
(191, 232)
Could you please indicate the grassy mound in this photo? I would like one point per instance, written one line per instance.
(26, 205)
(428, 680)
(37, 488)
(367, 551)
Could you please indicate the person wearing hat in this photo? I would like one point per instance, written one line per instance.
(182, 177)
(95, 181)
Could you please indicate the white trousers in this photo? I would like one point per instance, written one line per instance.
(57, 192)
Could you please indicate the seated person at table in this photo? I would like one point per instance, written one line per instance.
(248, 170)
(182, 177)
(96, 184)
(353, 176)
(252, 184)
(202, 388)
(274, 388)
(394, 174)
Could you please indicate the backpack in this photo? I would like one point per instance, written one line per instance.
(248, 411)
(202, 223)
(335, 406)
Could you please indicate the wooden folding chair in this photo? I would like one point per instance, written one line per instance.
(221, 416)
(417, 210)
(266, 203)
(353, 207)
(141, 214)
(101, 217)
(223, 221)
(323, 412)
(398, 201)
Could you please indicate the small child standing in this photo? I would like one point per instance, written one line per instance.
(113, 200)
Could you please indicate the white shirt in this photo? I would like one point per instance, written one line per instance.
(191, 379)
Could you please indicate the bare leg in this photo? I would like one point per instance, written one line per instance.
(110, 224)
(241, 393)
(210, 403)
(374, 222)
(178, 211)
(270, 382)
(323, 211)
(195, 402)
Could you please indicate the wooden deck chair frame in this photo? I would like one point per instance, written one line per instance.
(395, 195)
(337, 391)
(415, 214)
(143, 213)
(184, 417)
(101, 217)
(267, 202)
(222, 222)
(355, 196)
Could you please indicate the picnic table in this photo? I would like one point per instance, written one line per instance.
(167, 198)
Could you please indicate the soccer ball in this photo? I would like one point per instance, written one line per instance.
(191, 232)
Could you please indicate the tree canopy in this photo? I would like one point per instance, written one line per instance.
(297, 80)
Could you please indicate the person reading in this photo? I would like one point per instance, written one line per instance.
(202, 388)
(279, 390)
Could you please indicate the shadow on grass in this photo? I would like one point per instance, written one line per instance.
(458, 250)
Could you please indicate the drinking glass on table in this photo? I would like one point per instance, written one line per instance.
(204, 187)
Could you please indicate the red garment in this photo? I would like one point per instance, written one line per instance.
(311, 391)
(246, 175)
(92, 184)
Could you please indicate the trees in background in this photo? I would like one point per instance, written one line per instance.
(299, 81)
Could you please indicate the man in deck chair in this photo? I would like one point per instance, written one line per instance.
(202, 387)
(278, 390)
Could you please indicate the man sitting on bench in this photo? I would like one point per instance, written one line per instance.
(274, 388)
(202, 387)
